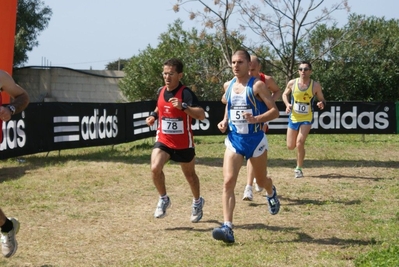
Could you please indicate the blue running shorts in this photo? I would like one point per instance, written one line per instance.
(248, 145)
(295, 125)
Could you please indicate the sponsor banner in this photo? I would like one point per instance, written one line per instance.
(136, 113)
(345, 118)
(351, 117)
(44, 127)
(214, 113)
(15, 136)
(88, 125)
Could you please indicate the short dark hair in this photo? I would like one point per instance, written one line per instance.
(245, 52)
(306, 62)
(174, 62)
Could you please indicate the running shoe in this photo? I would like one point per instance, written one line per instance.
(162, 205)
(247, 194)
(273, 202)
(224, 234)
(9, 244)
(298, 173)
(196, 213)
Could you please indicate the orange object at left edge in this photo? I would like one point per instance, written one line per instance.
(8, 15)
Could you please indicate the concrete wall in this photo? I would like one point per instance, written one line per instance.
(57, 84)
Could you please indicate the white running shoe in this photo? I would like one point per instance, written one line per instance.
(298, 173)
(257, 187)
(9, 244)
(247, 194)
(162, 205)
(196, 213)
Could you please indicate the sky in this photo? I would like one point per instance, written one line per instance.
(88, 34)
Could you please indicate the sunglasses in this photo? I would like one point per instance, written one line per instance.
(171, 74)
(303, 69)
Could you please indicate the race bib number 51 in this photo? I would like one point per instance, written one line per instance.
(236, 114)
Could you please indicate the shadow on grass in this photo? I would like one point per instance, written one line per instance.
(141, 153)
(312, 163)
(340, 176)
(12, 173)
(290, 163)
(52, 158)
(293, 202)
(301, 236)
(254, 226)
(305, 238)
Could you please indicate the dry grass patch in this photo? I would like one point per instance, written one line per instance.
(94, 207)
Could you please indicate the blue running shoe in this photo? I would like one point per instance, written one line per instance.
(273, 202)
(196, 213)
(223, 233)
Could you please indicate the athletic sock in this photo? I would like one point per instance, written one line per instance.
(229, 224)
(269, 196)
(197, 201)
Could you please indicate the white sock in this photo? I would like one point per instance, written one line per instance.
(229, 224)
(197, 201)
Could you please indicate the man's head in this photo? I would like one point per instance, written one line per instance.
(241, 62)
(172, 72)
(305, 69)
(255, 66)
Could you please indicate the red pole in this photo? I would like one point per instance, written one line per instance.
(8, 15)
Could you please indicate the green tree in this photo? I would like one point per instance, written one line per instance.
(205, 70)
(363, 67)
(32, 18)
(217, 18)
(279, 25)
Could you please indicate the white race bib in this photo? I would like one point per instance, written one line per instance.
(172, 125)
(236, 114)
(301, 108)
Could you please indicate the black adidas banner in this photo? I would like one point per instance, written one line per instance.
(44, 127)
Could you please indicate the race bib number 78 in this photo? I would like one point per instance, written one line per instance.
(172, 125)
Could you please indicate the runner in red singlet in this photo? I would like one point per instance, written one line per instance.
(177, 105)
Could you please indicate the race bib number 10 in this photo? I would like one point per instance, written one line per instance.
(301, 108)
(172, 125)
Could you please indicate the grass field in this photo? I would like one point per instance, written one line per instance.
(94, 207)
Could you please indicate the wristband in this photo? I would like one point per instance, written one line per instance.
(12, 109)
(154, 114)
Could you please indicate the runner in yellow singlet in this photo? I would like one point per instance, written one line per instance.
(303, 90)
